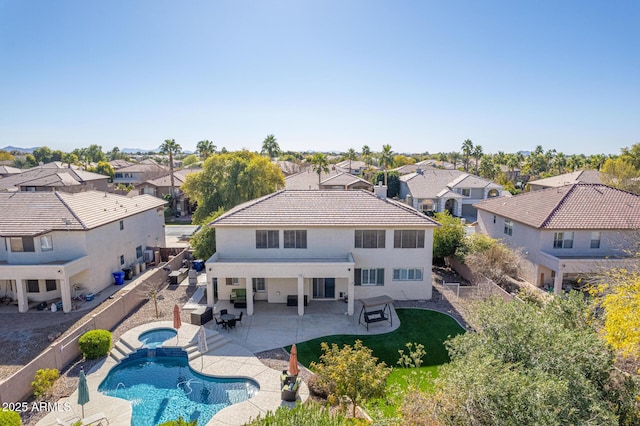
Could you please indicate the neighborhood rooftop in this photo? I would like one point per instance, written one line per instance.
(323, 208)
(34, 213)
(580, 176)
(577, 206)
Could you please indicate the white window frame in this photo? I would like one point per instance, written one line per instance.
(400, 242)
(232, 281)
(596, 239)
(46, 243)
(359, 238)
(272, 239)
(466, 192)
(299, 238)
(259, 285)
(563, 240)
(407, 274)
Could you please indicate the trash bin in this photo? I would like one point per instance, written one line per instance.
(118, 277)
(198, 265)
(127, 273)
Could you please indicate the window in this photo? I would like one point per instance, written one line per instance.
(51, 285)
(118, 175)
(371, 276)
(46, 243)
(122, 259)
(408, 239)
(259, 285)
(33, 286)
(267, 239)
(466, 192)
(232, 281)
(508, 227)
(494, 218)
(369, 238)
(595, 239)
(295, 239)
(138, 252)
(21, 244)
(563, 240)
(121, 225)
(407, 274)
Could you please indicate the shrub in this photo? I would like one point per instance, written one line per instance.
(44, 380)
(305, 414)
(9, 418)
(180, 422)
(95, 344)
(318, 387)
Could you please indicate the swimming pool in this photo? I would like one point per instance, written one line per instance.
(164, 387)
(156, 337)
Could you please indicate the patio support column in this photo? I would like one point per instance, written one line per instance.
(65, 294)
(249, 285)
(300, 295)
(350, 291)
(210, 293)
(23, 305)
(557, 283)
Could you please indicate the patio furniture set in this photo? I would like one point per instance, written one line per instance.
(227, 320)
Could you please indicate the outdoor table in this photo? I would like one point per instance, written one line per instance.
(226, 318)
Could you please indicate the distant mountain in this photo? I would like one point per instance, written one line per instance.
(136, 150)
(17, 148)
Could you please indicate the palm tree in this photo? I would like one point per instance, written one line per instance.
(477, 154)
(467, 148)
(69, 159)
(512, 163)
(206, 148)
(366, 155)
(386, 160)
(319, 164)
(442, 157)
(270, 146)
(454, 157)
(171, 147)
(560, 162)
(352, 155)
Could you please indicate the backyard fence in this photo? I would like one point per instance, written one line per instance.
(62, 352)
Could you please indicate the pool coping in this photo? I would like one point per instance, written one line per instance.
(226, 361)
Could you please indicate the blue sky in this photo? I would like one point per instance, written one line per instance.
(322, 75)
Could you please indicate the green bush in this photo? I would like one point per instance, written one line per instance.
(179, 422)
(305, 414)
(95, 344)
(43, 381)
(9, 418)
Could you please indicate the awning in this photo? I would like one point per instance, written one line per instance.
(376, 301)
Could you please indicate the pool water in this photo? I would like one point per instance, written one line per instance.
(155, 338)
(165, 387)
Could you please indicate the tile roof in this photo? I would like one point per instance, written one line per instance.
(585, 176)
(344, 179)
(577, 206)
(33, 213)
(323, 208)
(147, 165)
(306, 180)
(8, 170)
(429, 182)
(49, 176)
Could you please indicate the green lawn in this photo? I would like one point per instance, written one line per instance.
(429, 328)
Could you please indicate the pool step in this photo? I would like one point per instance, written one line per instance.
(214, 341)
(117, 354)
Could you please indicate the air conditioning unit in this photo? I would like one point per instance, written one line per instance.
(148, 256)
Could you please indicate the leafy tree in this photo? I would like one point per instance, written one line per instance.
(454, 157)
(42, 154)
(206, 148)
(69, 159)
(467, 149)
(56, 155)
(402, 160)
(386, 160)
(6, 156)
(227, 180)
(270, 146)
(204, 241)
(103, 168)
(189, 160)
(393, 182)
(621, 174)
(632, 155)
(530, 366)
(319, 164)
(351, 372)
(447, 237)
(94, 154)
(171, 147)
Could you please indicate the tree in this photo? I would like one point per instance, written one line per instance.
(530, 365)
(447, 237)
(393, 182)
(402, 160)
(95, 154)
(227, 180)
(454, 157)
(69, 159)
(189, 160)
(488, 169)
(319, 164)
(632, 155)
(351, 372)
(171, 147)
(103, 168)
(386, 160)
(621, 174)
(477, 154)
(366, 155)
(467, 149)
(270, 146)
(351, 156)
(206, 148)
(42, 154)
(204, 241)
(6, 156)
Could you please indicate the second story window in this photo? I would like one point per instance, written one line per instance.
(466, 192)
(21, 244)
(121, 225)
(267, 239)
(411, 238)
(369, 238)
(508, 227)
(295, 239)
(46, 243)
(563, 239)
(595, 239)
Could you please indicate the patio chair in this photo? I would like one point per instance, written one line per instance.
(223, 311)
(231, 324)
(219, 322)
(239, 318)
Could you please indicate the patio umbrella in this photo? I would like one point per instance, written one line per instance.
(83, 391)
(202, 343)
(177, 322)
(293, 361)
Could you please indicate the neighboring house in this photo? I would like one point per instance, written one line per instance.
(332, 180)
(513, 174)
(119, 164)
(581, 176)
(321, 245)
(139, 172)
(437, 164)
(567, 231)
(55, 177)
(411, 168)
(9, 171)
(436, 190)
(288, 167)
(161, 186)
(56, 242)
(357, 167)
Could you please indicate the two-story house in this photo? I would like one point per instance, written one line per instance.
(139, 172)
(435, 190)
(53, 242)
(161, 186)
(579, 176)
(321, 245)
(335, 179)
(565, 232)
(55, 176)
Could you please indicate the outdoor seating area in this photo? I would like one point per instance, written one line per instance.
(238, 297)
(228, 320)
(290, 386)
